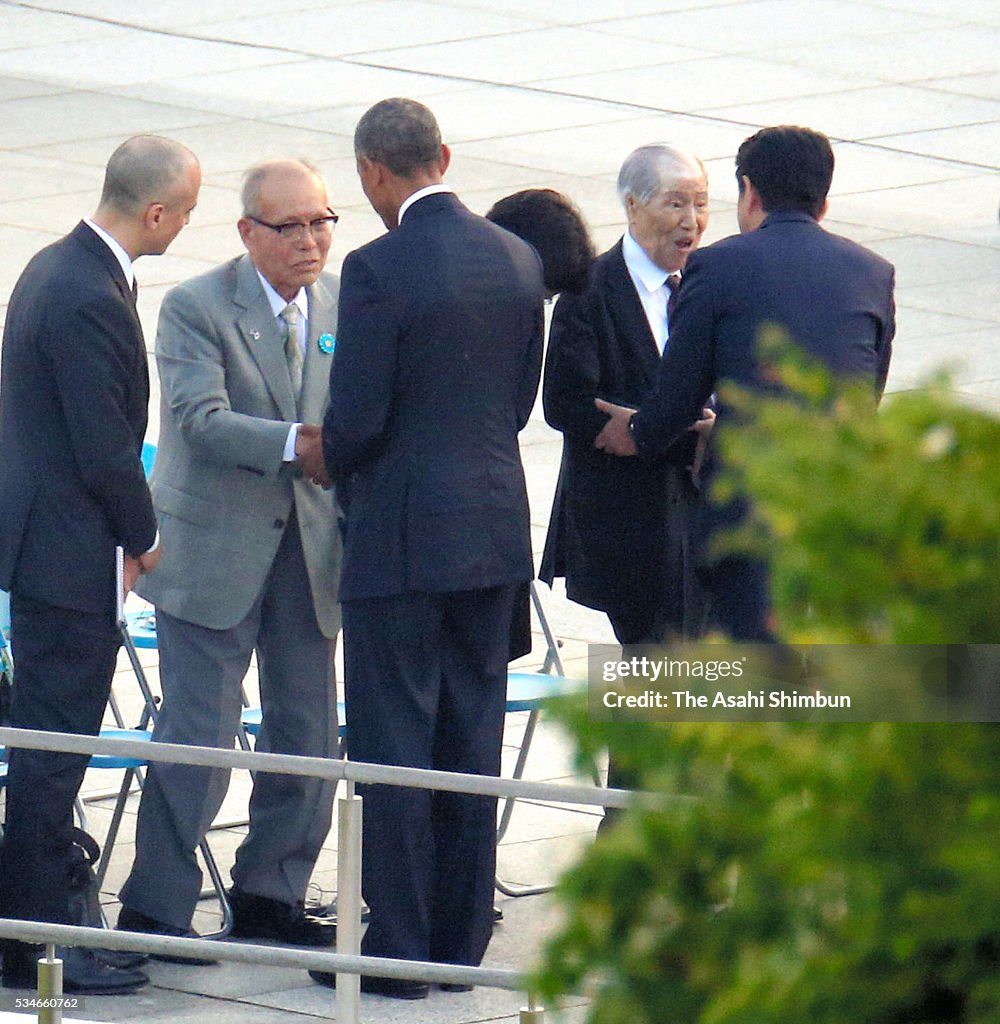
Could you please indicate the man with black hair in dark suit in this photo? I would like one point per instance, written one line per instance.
(831, 296)
(439, 347)
(73, 408)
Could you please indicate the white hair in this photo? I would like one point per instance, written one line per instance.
(646, 169)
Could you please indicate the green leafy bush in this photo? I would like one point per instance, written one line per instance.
(820, 874)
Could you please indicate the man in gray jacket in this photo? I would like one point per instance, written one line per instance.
(252, 559)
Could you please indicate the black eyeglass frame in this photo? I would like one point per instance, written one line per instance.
(283, 230)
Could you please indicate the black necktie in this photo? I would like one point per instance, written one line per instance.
(673, 283)
(135, 291)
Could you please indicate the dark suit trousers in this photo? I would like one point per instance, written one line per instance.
(426, 678)
(741, 602)
(65, 660)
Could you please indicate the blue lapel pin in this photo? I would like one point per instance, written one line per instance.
(327, 343)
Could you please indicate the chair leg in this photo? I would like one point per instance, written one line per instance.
(508, 809)
(552, 659)
(149, 715)
(522, 757)
(101, 869)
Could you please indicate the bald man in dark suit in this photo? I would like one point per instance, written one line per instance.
(73, 408)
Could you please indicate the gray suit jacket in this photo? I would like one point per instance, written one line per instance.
(220, 489)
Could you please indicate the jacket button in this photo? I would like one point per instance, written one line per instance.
(279, 524)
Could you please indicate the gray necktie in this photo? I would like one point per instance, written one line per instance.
(293, 353)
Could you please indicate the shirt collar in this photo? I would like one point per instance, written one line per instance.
(641, 267)
(301, 298)
(427, 190)
(124, 260)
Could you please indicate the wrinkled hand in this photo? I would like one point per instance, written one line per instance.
(309, 453)
(615, 437)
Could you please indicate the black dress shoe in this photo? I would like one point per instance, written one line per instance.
(394, 988)
(82, 971)
(126, 959)
(259, 917)
(132, 921)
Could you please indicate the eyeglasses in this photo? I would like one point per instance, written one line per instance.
(295, 230)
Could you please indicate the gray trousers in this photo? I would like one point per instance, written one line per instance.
(201, 671)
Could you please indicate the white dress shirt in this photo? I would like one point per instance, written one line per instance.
(427, 190)
(124, 260)
(651, 283)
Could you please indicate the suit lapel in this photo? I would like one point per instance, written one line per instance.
(316, 368)
(632, 325)
(259, 329)
(91, 241)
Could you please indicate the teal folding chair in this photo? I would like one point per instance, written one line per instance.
(528, 691)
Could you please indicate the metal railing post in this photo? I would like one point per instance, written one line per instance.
(532, 1014)
(50, 987)
(349, 810)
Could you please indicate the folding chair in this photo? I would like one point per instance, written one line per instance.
(528, 691)
(253, 717)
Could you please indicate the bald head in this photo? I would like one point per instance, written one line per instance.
(271, 174)
(150, 188)
(143, 170)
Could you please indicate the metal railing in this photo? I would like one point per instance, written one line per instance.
(347, 961)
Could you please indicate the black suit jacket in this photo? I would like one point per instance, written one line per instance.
(73, 408)
(832, 296)
(612, 519)
(439, 348)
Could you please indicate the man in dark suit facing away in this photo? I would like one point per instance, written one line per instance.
(439, 347)
(73, 407)
(831, 296)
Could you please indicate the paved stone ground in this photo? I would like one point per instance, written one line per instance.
(528, 94)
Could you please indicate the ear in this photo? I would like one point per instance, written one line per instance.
(445, 159)
(369, 171)
(822, 212)
(244, 225)
(154, 215)
(751, 197)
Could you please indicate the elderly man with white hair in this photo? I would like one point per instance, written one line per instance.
(619, 527)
